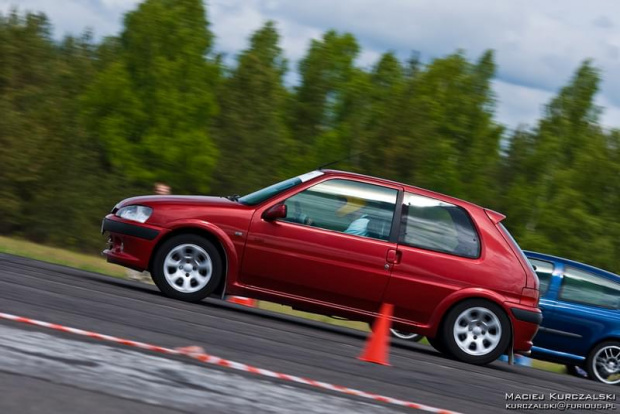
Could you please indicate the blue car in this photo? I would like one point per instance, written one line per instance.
(581, 317)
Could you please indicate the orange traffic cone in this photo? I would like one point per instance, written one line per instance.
(377, 346)
(241, 300)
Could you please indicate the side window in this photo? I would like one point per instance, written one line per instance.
(439, 226)
(543, 270)
(584, 287)
(345, 206)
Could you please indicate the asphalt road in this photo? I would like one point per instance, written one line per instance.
(290, 345)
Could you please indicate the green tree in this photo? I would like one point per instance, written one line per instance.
(64, 209)
(49, 167)
(152, 107)
(251, 133)
(26, 98)
(386, 144)
(326, 72)
(479, 138)
(567, 176)
(452, 142)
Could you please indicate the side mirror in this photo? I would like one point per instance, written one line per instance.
(275, 212)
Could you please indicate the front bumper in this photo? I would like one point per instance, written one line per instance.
(129, 229)
(130, 244)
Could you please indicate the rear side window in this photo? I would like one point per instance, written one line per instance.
(587, 288)
(544, 270)
(438, 226)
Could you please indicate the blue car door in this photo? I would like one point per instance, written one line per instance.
(586, 310)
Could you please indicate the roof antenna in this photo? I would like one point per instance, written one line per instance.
(348, 157)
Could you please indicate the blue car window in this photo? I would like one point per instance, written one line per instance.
(584, 287)
(543, 270)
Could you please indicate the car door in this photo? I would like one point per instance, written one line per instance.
(318, 252)
(586, 309)
(438, 251)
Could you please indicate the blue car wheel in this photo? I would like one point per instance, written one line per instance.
(603, 363)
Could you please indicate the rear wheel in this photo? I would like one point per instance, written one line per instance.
(438, 343)
(476, 331)
(187, 267)
(603, 363)
(409, 336)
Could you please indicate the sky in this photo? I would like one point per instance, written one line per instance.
(538, 43)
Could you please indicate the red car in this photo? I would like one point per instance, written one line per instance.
(339, 243)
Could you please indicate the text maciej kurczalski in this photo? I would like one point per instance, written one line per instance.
(557, 396)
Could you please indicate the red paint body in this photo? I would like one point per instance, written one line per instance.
(335, 273)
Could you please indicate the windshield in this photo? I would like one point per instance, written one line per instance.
(261, 195)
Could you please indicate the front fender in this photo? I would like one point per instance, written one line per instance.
(232, 259)
(458, 296)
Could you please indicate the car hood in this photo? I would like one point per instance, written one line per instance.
(206, 201)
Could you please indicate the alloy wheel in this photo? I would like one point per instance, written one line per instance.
(187, 268)
(477, 331)
(606, 364)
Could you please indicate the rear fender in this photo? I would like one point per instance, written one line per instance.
(459, 296)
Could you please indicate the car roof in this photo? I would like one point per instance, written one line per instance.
(579, 265)
(379, 180)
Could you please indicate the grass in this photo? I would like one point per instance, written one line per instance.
(91, 263)
(94, 263)
(548, 366)
(274, 307)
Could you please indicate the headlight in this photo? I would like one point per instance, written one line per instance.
(135, 213)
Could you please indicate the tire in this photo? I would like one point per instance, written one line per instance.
(476, 331)
(187, 267)
(407, 336)
(438, 343)
(603, 363)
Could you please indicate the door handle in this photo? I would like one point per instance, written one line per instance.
(393, 256)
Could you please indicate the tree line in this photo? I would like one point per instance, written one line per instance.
(85, 123)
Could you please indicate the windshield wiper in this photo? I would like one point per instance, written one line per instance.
(234, 197)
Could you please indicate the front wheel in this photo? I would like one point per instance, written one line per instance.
(187, 267)
(603, 363)
(476, 331)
